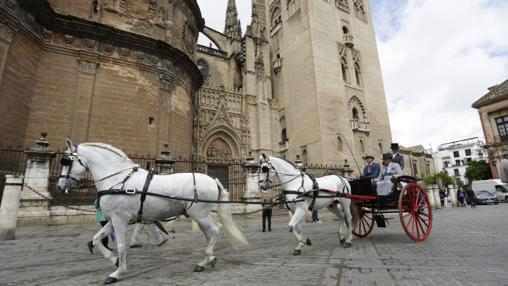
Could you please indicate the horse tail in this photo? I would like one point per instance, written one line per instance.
(232, 232)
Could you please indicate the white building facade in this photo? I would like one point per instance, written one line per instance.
(453, 157)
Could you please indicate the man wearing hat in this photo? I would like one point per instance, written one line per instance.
(371, 171)
(388, 175)
(397, 158)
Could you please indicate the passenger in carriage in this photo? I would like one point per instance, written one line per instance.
(371, 170)
(388, 175)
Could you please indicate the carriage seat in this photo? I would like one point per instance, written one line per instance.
(387, 188)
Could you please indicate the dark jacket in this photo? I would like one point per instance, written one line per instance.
(371, 171)
(399, 159)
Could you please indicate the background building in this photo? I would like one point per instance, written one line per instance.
(453, 157)
(418, 161)
(493, 111)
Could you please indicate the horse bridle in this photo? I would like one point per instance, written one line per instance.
(266, 169)
(68, 160)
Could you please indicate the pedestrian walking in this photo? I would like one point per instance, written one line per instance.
(471, 198)
(460, 198)
(266, 203)
(315, 217)
(158, 230)
(99, 217)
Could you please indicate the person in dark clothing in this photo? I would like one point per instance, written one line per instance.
(267, 211)
(397, 158)
(470, 195)
(460, 198)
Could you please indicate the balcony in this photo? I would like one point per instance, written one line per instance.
(359, 126)
(348, 40)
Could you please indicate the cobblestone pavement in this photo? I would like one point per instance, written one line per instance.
(466, 247)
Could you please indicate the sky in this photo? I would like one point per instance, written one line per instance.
(437, 58)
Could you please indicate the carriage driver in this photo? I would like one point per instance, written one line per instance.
(388, 175)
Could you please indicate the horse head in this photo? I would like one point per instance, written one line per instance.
(73, 167)
(265, 166)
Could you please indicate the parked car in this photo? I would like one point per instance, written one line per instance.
(485, 197)
(494, 186)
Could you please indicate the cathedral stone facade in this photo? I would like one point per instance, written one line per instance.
(303, 80)
(116, 71)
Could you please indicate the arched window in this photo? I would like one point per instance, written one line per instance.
(339, 144)
(359, 9)
(355, 114)
(345, 69)
(358, 74)
(284, 135)
(345, 30)
(362, 146)
(357, 67)
(276, 17)
(380, 148)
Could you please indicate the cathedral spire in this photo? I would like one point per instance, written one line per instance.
(232, 29)
(257, 25)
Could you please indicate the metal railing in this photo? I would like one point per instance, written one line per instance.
(230, 173)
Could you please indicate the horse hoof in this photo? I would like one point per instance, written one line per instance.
(199, 268)
(213, 262)
(342, 241)
(110, 280)
(308, 242)
(290, 229)
(297, 252)
(117, 263)
(347, 245)
(90, 246)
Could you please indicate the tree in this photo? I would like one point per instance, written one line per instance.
(447, 180)
(478, 170)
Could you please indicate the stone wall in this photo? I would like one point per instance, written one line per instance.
(95, 82)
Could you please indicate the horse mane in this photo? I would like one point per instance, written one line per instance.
(287, 161)
(109, 148)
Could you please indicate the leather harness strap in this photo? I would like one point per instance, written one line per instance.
(143, 195)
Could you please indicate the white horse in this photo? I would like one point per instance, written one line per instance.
(123, 181)
(298, 189)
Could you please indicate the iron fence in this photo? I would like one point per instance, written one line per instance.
(230, 173)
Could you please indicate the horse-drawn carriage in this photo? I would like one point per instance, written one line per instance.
(408, 200)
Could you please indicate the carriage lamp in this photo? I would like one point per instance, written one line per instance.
(300, 164)
(250, 164)
(165, 163)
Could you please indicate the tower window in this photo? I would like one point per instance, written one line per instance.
(344, 69)
(359, 10)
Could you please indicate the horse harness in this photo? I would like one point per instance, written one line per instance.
(314, 192)
(144, 192)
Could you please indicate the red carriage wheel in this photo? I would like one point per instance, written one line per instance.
(415, 212)
(365, 221)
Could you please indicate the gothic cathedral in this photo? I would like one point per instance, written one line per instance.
(303, 80)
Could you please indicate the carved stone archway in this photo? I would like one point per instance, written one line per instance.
(222, 144)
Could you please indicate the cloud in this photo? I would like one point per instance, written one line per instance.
(437, 58)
